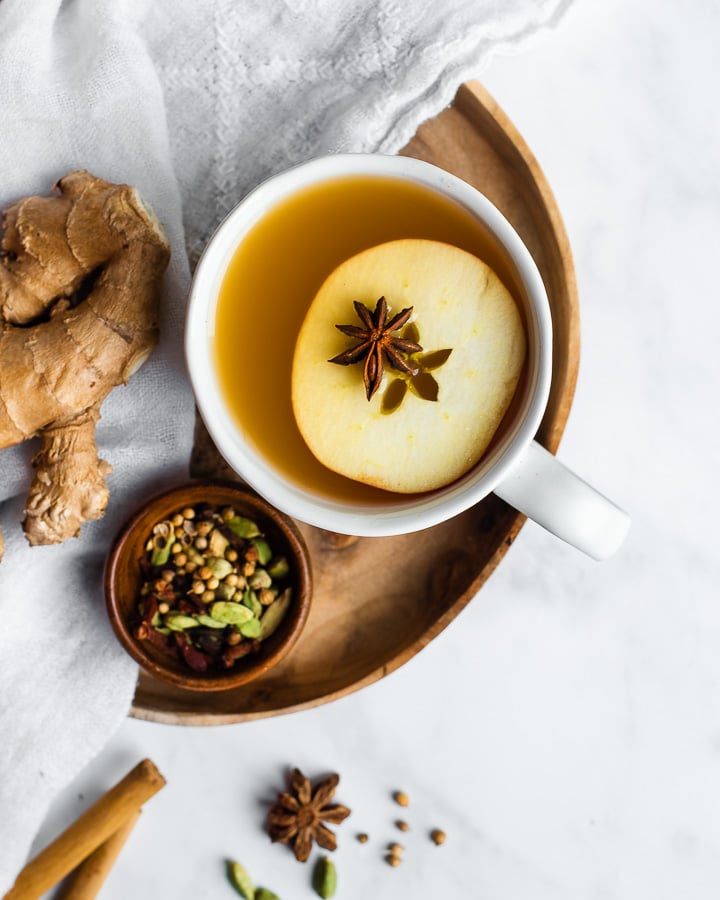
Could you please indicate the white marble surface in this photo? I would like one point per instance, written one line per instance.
(565, 729)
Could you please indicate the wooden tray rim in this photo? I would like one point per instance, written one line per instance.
(475, 98)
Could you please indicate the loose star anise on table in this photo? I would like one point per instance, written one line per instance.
(377, 343)
(297, 816)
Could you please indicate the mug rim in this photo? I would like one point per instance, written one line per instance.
(373, 520)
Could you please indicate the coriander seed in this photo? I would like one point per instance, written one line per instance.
(438, 836)
(401, 798)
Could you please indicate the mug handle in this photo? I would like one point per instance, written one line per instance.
(546, 491)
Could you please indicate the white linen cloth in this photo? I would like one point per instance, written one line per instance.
(193, 103)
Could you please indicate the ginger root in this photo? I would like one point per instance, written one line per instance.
(80, 277)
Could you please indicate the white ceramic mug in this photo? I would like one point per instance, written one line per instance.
(517, 468)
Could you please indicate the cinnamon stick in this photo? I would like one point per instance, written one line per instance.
(93, 828)
(90, 875)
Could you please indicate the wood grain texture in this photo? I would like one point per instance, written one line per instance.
(378, 601)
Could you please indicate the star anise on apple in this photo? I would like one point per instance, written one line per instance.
(297, 816)
(377, 344)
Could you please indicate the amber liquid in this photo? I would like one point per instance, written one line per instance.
(274, 276)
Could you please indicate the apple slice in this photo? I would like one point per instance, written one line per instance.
(403, 439)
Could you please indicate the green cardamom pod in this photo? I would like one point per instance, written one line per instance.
(220, 567)
(230, 613)
(251, 628)
(263, 549)
(208, 621)
(278, 568)
(240, 879)
(274, 614)
(244, 528)
(179, 622)
(264, 894)
(325, 878)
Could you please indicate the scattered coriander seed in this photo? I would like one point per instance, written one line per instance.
(181, 559)
(205, 573)
(231, 555)
(232, 579)
(393, 859)
(213, 583)
(177, 519)
(363, 838)
(438, 836)
(402, 825)
(198, 587)
(401, 798)
(190, 566)
(396, 848)
(176, 549)
(207, 596)
(188, 513)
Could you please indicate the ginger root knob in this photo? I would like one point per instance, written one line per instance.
(80, 276)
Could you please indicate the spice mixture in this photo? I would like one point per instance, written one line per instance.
(213, 588)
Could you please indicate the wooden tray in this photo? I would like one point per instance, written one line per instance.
(378, 601)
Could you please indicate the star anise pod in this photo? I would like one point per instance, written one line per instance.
(377, 344)
(297, 816)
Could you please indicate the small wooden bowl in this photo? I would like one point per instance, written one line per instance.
(123, 580)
